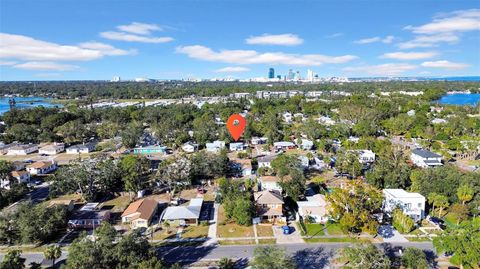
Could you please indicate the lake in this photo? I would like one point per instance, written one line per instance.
(460, 99)
(25, 102)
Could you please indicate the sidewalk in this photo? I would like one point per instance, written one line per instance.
(212, 229)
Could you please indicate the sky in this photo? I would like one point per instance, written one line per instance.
(97, 40)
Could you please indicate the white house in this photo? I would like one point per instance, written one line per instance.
(325, 120)
(366, 156)
(439, 121)
(306, 144)
(284, 145)
(259, 140)
(425, 158)
(81, 148)
(304, 161)
(411, 203)
(216, 146)
(237, 146)
(266, 161)
(190, 147)
(269, 183)
(52, 149)
(20, 176)
(22, 149)
(411, 113)
(42, 167)
(287, 117)
(315, 207)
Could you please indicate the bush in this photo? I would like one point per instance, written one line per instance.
(402, 222)
(204, 223)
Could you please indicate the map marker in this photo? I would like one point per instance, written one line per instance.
(236, 125)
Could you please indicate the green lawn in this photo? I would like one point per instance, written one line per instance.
(267, 241)
(314, 229)
(118, 204)
(418, 239)
(264, 230)
(334, 228)
(195, 232)
(332, 240)
(236, 242)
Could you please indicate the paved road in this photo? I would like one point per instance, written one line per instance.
(306, 255)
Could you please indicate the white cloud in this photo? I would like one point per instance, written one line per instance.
(445, 28)
(139, 28)
(385, 40)
(134, 38)
(106, 49)
(409, 55)
(389, 69)
(30, 49)
(268, 39)
(7, 62)
(232, 69)
(254, 57)
(426, 41)
(50, 66)
(457, 21)
(334, 35)
(445, 65)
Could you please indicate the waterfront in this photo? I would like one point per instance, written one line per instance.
(26, 102)
(460, 99)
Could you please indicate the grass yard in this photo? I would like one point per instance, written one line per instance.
(418, 239)
(195, 232)
(334, 228)
(264, 230)
(162, 234)
(231, 229)
(334, 240)
(117, 204)
(267, 241)
(236, 242)
(314, 229)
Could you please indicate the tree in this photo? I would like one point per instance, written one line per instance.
(226, 263)
(39, 223)
(52, 252)
(402, 222)
(459, 211)
(439, 201)
(131, 135)
(465, 193)
(134, 169)
(390, 172)
(271, 257)
(462, 241)
(365, 256)
(13, 260)
(243, 211)
(354, 206)
(347, 163)
(414, 258)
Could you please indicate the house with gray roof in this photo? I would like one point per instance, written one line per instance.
(424, 158)
(184, 214)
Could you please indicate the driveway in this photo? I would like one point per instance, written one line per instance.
(293, 238)
(390, 235)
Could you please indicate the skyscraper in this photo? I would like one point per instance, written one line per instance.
(290, 75)
(271, 73)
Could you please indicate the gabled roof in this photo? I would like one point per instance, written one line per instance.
(425, 153)
(268, 197)
(40, 165)
(18, 173)
(266, 158)
(144, 207)
(192, 211)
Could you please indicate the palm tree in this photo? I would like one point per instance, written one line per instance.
(432, 199)
(226, 263)
(465, 193)
(52, 252)
(442, 203)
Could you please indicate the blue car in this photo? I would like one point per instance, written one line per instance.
(286, 229)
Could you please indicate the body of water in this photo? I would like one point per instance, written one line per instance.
(25, 102)
(460, 99)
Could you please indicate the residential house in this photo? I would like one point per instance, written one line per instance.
(269, 183)
(4, 148)
(259, 140)
(411, 113)
(411, 203)
(284, 145)
(266, 161)
(269, 205)
(150, 150)
(425, 158)
(216, 146)
(52, 149)
(438, 121)
(22, 149)
(81, 148)
(88, 217)
(366, 156)
(184, 214)
(299, 116)
(190, 147)
(245, 166)
(237, 146)
(306, 144)
(325, 120)
(314, 208)
(353, 139)
(140, 213)
(42, 167)
(21, 176)
(18, 165)
(304, 161)
(287, 117)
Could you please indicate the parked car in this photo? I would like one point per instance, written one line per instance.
(437, 221)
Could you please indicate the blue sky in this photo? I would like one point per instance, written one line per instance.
(68, 40)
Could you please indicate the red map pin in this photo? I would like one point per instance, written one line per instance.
(236, 125)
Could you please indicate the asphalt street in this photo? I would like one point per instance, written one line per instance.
(306, 255)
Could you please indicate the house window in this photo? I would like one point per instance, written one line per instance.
(419, 205)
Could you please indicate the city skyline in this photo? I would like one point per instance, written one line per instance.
(55, 40)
